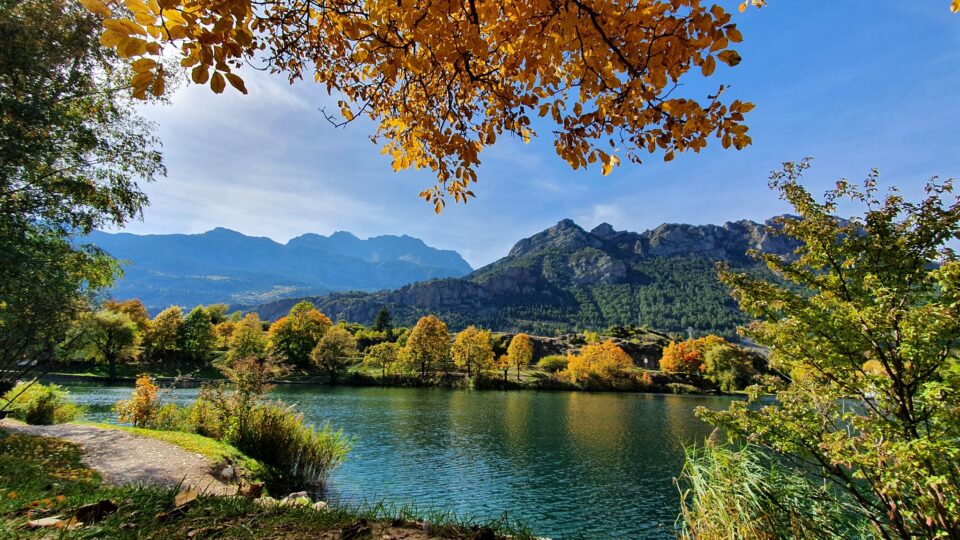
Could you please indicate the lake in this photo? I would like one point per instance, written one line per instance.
(564, 463)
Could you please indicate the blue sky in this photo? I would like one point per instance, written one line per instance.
(855, 84)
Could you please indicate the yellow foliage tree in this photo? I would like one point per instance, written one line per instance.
(520, 352)
(605, 361)
(473, 351)
(295, 336)
(443, 80)
(428, 344)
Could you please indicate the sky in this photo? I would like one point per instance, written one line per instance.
(856, 85)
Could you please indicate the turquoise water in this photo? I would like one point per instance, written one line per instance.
(564, 463)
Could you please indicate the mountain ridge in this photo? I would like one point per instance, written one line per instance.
(222, 265)
(565, 277)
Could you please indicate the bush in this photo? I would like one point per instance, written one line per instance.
(553, 363)
(276, 435)
(141, 409)
(40, 405)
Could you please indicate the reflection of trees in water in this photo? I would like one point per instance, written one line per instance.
(598, 425)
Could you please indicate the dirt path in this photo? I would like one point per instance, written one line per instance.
(123, 458)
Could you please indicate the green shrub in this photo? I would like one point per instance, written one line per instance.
(270, 432)
(553, 363)
(40, 405)
(170, 417)
(276, 435)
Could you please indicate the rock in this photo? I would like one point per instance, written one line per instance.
(300, 498)
(267, 501)
(320, 506)
(227, 473)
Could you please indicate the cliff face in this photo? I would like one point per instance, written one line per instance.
(566, 277)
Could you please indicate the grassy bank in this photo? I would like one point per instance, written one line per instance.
(42, 477)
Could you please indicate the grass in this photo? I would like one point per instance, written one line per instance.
(201, 370)
(42, 477)
(212, 449)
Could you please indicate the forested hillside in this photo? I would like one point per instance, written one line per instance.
(565, 278)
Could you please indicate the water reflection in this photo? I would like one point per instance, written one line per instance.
(562, 462)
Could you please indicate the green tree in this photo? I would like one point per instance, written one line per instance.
(878, 287)
(428, 344)
(106, 336)
(333, 354)
(248, 339)
(728, 366)
(473, 351)
(71, 151)
(296, 335)
(382, 356)
(520, 352)
(382, 322)
(196, 339)
(161, 339)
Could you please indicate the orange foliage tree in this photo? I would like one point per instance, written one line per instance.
(605, 361)
(687, 356)
(443, 80)
(141, 408)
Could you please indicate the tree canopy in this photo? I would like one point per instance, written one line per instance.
(867, 323)
(443, 80)
(72, 150)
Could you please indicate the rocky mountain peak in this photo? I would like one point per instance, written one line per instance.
(565, 235)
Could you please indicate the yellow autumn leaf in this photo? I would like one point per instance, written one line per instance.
(708, 66)
(217, 84)
(955, 6)
(731, 58)
(200, 74)
(237, 82)
(96, 7)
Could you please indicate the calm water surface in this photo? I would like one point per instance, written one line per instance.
(564, 463)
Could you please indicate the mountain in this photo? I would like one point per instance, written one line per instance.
(566, 278)
(226, 266)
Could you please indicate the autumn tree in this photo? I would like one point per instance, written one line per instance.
(195, 339)
(605, 361)
(520, 352)
(161, 339)
(444, 80)
(106, 336)
(248, 339)
(296, 335)
(503, 364)
(382, 356)
(134, 309)
(881, 286)
(333, 354)
(687, 356)
(473, 351)
(223, 332)
(428, 344)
